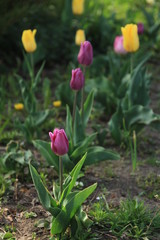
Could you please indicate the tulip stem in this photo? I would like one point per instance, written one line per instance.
(82, 97)
(61, 174)
(73, 114)
(131, 64)
(32, 70)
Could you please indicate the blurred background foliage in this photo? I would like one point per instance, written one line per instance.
(56, 26)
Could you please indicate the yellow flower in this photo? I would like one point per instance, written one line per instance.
(80, 37)
(18, 106)
(130, 37)
(77, 7)
(28, 40)
(57, 103)
(151, 2)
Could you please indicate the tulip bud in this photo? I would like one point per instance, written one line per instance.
(85, 56)
(140, 28)
(77, 7)
(59, 142)
(118, 45)
(77, 80)
(130, 37)
(80, 37)
(28, 40)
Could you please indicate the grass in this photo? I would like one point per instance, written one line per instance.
(132, 220)
(150, 184)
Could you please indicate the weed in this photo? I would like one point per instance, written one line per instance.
(150, 184)
(132, 219)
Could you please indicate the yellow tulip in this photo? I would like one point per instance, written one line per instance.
(57, 103)
(28, 40)
(18, 106)
(80, 37)
(77, 7)
(130, 37)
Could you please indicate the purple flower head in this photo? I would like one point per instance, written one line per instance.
(77, 80)
(140, 28)
(59, 142)
(85, 55)
(118, 45)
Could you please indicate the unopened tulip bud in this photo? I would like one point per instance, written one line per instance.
(85, 56)
(130, 37)
(77, 7)
(59, 142)
(118, 45)
(77, 80)
(28, 40)
(80, 37)
(140, 28)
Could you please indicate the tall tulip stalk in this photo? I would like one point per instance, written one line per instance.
(85, 58)
(30, 46)
(130, 40)
(76, 84)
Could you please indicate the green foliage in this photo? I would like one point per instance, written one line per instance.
(79, 143)
(65, 209)
(132, 219)
(15, 159)
(34, 118)
(132, 111)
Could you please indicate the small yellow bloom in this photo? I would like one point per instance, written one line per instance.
(80, 37)
(130, 37)
(57, 103)
(77, 7)
(18, 106)
(28, 40)
(151, 2)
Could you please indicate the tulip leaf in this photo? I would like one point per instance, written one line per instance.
(40, 117)
(139, 115)
(45, 150)
(139, 88)
(74, 175)
(60, 223)
(37, 77)
(45, 197)
(98, 154)
(81, 149)
(78, 129)
(68, 123)
(88, 107)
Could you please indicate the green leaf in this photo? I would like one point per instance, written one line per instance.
(40, 117)
(7, 235)
(83, 146)
(88, 106)
(68, 123)
(60, 223)
(45, 150)
(139, 88)
(74, 174)
(98, 154)
(78, 129)
(37, 77)
(45, 197)
(115, 124)
(139, 115)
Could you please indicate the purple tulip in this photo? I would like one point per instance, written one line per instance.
(85, 56)
(140, 28)
(59, 142)
(118, 45)
(77, 80)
